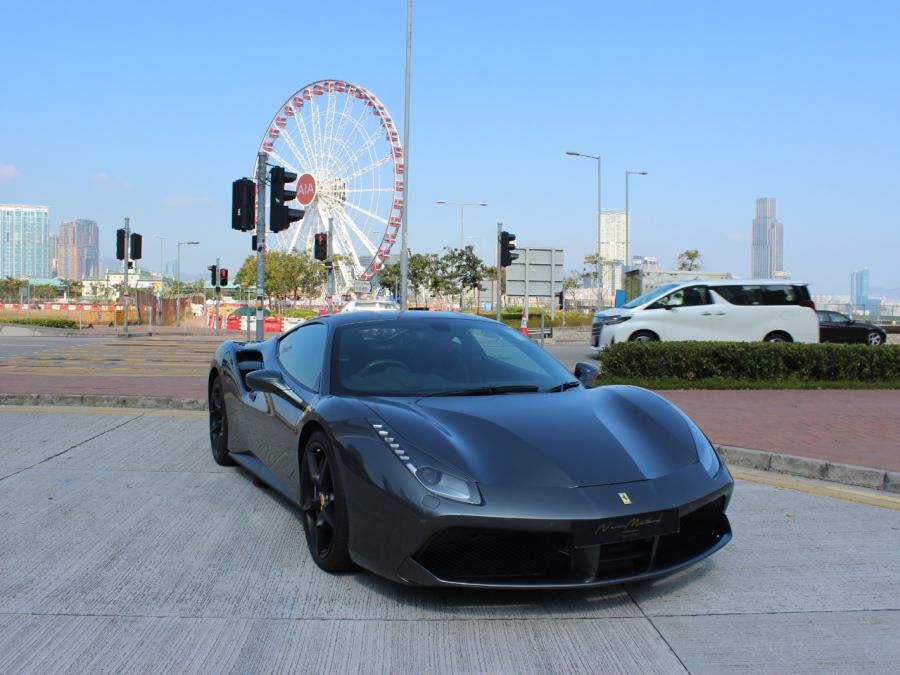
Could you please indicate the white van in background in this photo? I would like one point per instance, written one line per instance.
(735, 310)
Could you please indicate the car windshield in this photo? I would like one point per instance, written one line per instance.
(439, 356)
(650, 296)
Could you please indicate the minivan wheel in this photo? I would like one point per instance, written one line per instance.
(644, 336)
(777, 336)
(874, 338)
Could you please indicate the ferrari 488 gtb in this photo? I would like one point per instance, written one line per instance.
(449, 450)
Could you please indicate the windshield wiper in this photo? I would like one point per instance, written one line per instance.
(487, 391)
(564, 386)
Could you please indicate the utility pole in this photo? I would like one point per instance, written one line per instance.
(329, 267)
(404, 251)
(260, 243)
(498, 268)
(126, 262)
(218, 293)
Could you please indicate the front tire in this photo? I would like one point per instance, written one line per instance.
(777, 336)
(323, 505)
(218, 425)
(644, 336)
(874, 338)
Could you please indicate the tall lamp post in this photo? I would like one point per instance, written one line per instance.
(628, 222)
(462, 206)
(162, 277)
(178, 278)
(404, 228)
(572, 153)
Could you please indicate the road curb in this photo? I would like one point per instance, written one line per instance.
(105, 401)
(809, 467)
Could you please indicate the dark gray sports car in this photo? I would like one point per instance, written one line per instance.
(449, 450)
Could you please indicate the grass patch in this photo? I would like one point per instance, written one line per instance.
(35, 321)
(732, 383)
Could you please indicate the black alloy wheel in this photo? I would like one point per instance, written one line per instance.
(324, 510)
(218, 425)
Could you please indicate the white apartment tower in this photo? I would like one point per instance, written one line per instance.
(767, 261)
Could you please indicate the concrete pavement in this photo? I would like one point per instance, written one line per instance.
(125, 548)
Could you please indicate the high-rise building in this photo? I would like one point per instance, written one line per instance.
(859, 287)
(78, 249)
(612, 252)
(24, 241)
(767, 260)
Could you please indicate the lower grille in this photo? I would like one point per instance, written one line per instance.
(504, 556)
(596, 329)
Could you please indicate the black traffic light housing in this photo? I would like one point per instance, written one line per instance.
(136, 241)
(243, 205)
(120, 244)
(223, 276)
(320, 248)
(507, 246)
(280, 215)
(213, 275)
(559, 298)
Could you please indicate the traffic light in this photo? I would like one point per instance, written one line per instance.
(120, 244)
(506, 248)
(560, 300)
(213, 275)
(243, 204)
(320, 249)
(223, 276)
(280, 215)
(136, 240)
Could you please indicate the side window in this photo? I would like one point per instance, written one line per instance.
(779, 295)
(673, 299)
(741, 295)
(696, 295)
(302, 354)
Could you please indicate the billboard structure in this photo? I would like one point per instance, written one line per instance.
(538, 273)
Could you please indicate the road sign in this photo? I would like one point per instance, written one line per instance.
(306, 189)
(361, 287)
(538, 273)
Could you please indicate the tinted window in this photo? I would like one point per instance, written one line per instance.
(650, 295)
(302, 353)
(684, 297)
(429, 356)
(741, 295)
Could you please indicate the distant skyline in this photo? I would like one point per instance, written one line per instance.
(152, 118)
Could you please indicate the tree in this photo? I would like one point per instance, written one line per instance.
(690, 260)
(288, 274)
(590, 267)
(464, 271)
(572, 283)
(389, 277)
(420, 269)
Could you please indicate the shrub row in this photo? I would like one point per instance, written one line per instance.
(752, 361)
(47, 323)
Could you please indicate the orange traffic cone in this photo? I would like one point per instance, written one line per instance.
(523, 326)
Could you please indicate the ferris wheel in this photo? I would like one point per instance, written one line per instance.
(343, 145)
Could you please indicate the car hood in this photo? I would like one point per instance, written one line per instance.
(574, 438)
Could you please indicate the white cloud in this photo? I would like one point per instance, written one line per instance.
(184, 201)
(8, 171)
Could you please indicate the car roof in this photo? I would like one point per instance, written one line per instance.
(407, 316)
(740, 282)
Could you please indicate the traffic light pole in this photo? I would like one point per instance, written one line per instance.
(218, 293)
(498, 269)
(329, 267)
(126, 261)
(260, 243)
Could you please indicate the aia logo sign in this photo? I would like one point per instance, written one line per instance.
(306, 189)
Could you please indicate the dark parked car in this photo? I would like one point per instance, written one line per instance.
(837, 327)
(441, 449)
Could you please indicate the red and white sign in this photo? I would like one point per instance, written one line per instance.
(306, 189)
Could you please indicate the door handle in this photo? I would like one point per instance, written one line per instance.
(720, 313)
(706, 314)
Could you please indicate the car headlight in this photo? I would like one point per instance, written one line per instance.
(438, 481)
(705, 451)
(616, 319)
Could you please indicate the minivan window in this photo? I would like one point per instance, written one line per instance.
(649, 296)
(684, 297)
(762, 294)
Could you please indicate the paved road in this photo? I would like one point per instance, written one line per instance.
(125, 548)
(17, 346)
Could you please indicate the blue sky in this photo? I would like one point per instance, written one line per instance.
(151, 109)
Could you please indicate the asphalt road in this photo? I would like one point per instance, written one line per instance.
(20, 346)
(570, 353)
(126, 549)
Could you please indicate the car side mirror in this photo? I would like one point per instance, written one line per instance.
(586, 373)
(271, 382)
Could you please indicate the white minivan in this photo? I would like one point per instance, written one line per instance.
(774, 310)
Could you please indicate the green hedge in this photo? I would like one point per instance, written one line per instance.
(513, 315)
(751, 361)
(293, 313)
(47, 323)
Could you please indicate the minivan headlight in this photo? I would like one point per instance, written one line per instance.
(616, 319)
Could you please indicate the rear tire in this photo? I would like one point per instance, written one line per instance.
(218, 425)
(874, 338)
(644, 336)
(777, 336)
(324, 508)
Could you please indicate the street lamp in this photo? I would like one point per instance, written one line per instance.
(627, 221)
(462, 206)
(572, 153)
(178, 278)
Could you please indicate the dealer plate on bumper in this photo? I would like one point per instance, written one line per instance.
(625, 528)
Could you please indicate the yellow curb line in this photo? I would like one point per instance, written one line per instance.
(836, 492)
